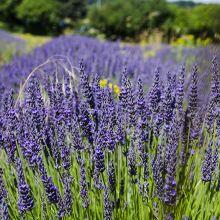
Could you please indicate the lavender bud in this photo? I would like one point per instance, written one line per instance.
(111, 177)
(193, 96)
(25, 199)
(132, 166)
(4, 210)
(207, 165)
(107, 205)
(83, 186)
(68, 198)
(51, 190)
(100, 159)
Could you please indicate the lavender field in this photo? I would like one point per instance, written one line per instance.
(97, 130)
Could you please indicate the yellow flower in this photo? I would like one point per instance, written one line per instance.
(116, 90)
(110, 85)
(103, 83)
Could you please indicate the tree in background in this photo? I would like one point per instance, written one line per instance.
(8, 12)
(41, 16)
(38, 17)
(73, 9)
(113, 19)
(205, 21)
(129, 18)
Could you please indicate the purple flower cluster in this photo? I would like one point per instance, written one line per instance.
(71, 125)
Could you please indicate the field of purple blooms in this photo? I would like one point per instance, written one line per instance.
(92, 129)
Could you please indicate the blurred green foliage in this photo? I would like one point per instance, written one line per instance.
(127, 19)
(131, 18)
(205, 19)
(113, 19)
(41, 16)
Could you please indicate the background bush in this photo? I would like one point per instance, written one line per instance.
(113, 19)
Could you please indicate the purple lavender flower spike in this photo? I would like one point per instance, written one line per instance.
(4, 214)
(65, 156)
(123, 97)
(218, 123)
(35, 111)
(155, 93)
(107, 205)
(119, 127)
(85, 122)
(25, 199)
(97, 91)
(158, 121)
(207, 164)
(76, 135)
(131, 108)
(44, 208)
(210, 115)
(85, 87)
(111, 177)
(68, 198)
(61, 208)
(51, 190)
(171, 162)
(9, 125)
(83, 186)
(3, 191)
(196, 126)
(140, 99)
(215, 87)
(142, 139)
(99, 159)
(167, 104)
(61, 141)
(158, 169)
(214, 99)
(215, 158)
(193, 96)
(169, 216)
(132, 163)
(184, 139)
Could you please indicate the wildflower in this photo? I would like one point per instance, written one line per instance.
(116, 90)
(103, 82)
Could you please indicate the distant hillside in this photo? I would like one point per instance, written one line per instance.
(183, 3)
(187, 4)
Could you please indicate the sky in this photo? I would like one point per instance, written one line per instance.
(202, 1)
